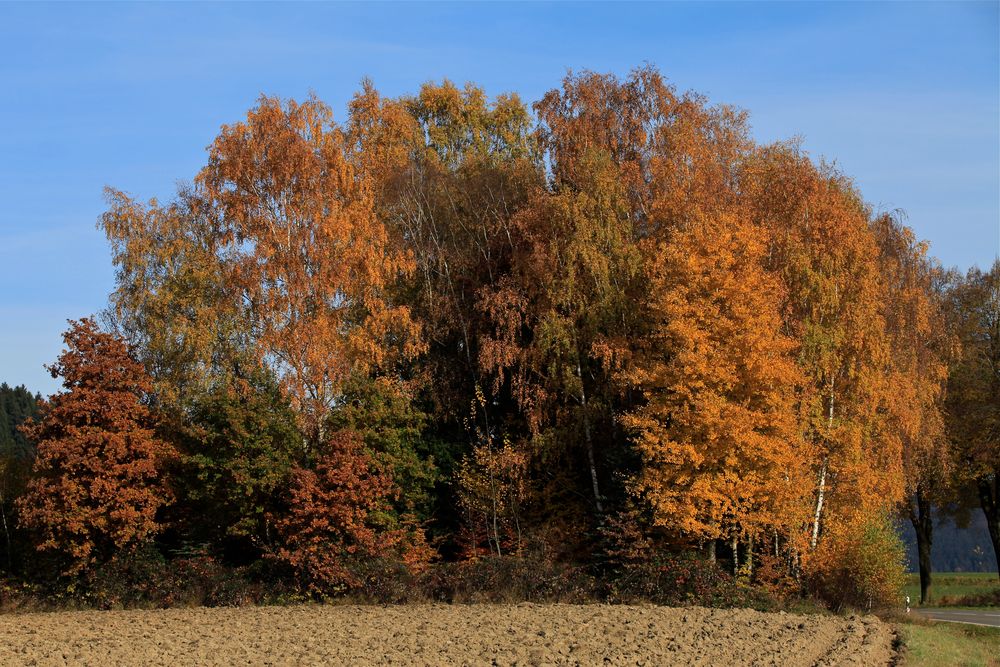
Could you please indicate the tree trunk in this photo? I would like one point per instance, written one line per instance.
(736, 556)
(989, 500)
(6, 530)
(496, 502)
(920, 517)
(821, 494)
(820, 497)
(711, 550)
(589, 442)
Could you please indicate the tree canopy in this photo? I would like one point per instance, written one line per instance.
(461, 321)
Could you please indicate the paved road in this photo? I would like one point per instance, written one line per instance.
(989, 616)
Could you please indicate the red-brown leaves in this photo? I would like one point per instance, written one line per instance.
(97, 487)
(331, 524)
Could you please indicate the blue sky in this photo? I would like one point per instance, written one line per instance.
(903, 96)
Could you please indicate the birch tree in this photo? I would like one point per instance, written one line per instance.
(920, 347)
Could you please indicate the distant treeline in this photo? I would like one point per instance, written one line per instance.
(604, 332)
(17, 405)
(958, 547)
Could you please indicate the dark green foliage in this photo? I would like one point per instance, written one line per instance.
(672, 579)
(17, 405)
(237, 447)
(394, 433)
(986, 599)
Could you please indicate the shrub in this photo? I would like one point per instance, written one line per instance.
(507, 579)
(237, 446)
(684, 578)
(985, 599)
(860, 564)
(145, 579)
(774, 576)
(330, 529)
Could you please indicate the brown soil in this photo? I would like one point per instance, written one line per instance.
(526, 634)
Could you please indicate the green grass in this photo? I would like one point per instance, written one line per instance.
(949, 587)
(949, 644)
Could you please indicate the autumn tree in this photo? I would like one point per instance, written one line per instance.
(920, 346)
(860, 563)
(171, 301)
(974, 389)
(823, 249)
(493, 490)
(717, 430)
(237, 445)
(451, 169)
(669, 146)
(97, 483)
(565, 320)
(568, 291)
(304, 251)
(332, 521)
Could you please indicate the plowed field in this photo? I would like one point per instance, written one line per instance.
(524, 634)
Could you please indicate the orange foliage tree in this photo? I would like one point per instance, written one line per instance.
(97, 485)
(717, 433)
(827, 257)
(565, 319)
(920, 347)
(307, 256)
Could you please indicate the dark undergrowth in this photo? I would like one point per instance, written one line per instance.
(146, 580)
